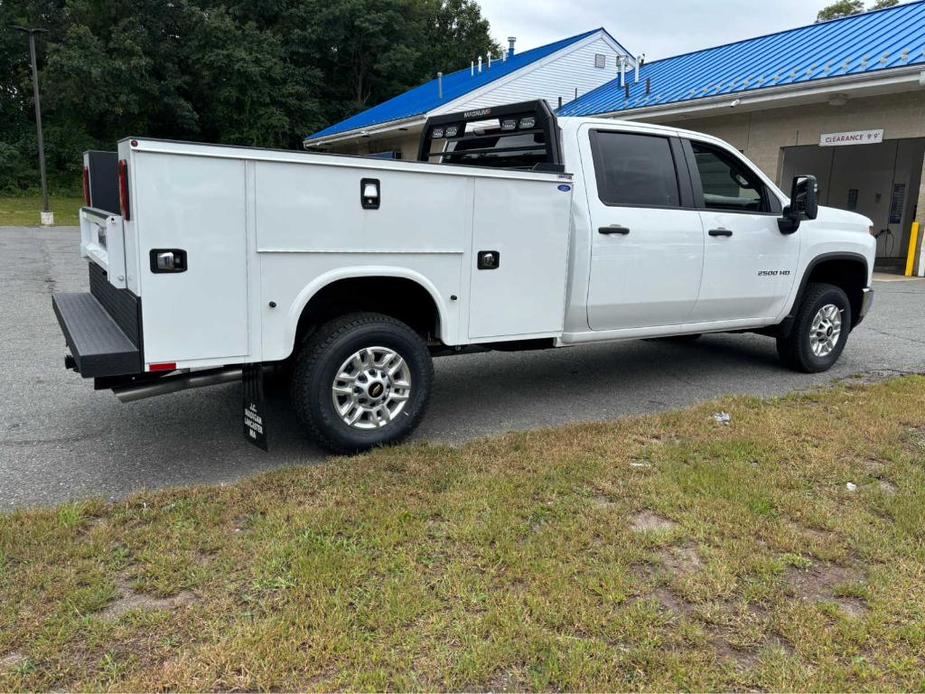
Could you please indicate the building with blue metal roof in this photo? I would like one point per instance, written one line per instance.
(558, 72)
(851, 49)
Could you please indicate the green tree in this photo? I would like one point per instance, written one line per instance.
(228, 71)
(846, 8)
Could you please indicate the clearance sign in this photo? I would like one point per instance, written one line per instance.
(858, 137)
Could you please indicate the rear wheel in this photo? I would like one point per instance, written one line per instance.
(361, 381)
(820, 331)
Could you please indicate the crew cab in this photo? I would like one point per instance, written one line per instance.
(513, 230)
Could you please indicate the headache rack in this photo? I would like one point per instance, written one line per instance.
(521, 136)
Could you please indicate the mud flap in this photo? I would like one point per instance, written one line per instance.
(255, 429)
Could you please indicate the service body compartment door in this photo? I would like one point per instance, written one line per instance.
(519, 258)
(195, 205)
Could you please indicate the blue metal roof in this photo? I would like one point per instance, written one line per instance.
(861, 44)
(425, 98)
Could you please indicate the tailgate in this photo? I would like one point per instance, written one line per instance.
(102, 241)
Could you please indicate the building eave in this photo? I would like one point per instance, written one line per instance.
(896, 79)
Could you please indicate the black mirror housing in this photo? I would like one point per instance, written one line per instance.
(804, 204)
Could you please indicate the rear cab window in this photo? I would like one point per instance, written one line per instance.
(637, 170)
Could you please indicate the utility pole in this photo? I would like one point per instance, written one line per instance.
(48, 217)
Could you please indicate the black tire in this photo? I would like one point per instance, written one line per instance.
(321, 359)
(795, 349)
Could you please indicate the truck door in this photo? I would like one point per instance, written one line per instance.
(749, 264)
(646, 238)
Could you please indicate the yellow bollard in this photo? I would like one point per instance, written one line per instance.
(913, 247)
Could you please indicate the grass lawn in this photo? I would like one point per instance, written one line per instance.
(665, 552)
(24, 211)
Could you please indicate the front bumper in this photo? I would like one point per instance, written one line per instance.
(99, 347)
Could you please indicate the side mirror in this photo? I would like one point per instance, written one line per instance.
(804, 204)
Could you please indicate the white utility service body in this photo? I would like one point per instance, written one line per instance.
(224, 248)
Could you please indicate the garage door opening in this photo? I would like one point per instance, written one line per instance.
(880, 181)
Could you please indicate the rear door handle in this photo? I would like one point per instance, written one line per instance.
(720, 232)
(613, 229)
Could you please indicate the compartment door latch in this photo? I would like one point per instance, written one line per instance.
(165, 260)
(488, 260)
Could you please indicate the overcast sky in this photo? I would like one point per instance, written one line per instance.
(658, 28)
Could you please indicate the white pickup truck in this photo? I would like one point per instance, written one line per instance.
(514, 230)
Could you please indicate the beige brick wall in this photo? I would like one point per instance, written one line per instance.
(762, 134)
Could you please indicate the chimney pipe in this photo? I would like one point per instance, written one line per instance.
(489, 60)
(480, 65)
(511, 40)
(626, 90)
(560, 102)
(637, 72)
(622, 70)
(440, 85)
(472, 69)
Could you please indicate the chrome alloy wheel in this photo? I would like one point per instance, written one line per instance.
(371, 388)
(825, 330)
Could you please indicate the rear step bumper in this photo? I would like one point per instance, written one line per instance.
(98, 345)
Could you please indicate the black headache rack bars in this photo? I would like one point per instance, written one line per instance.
(522, 136)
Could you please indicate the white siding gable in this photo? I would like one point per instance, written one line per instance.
(558, 75)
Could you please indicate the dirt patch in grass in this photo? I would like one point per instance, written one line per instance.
(828, 583)
(671, 602)
(130, 600)
(11, 660)
(649, 522)
(887, 487)
(534, 561)
(681, 561)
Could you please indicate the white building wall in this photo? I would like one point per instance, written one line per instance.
(557, 76)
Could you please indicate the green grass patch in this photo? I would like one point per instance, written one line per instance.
(25, 211)
(665, 552)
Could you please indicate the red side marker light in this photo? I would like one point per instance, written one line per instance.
(123, 190)
(86, 180)
(166, 366)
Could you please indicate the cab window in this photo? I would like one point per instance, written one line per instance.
(728, 184)
(634, 170)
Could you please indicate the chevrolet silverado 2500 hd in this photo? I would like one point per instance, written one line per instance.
(514, 230)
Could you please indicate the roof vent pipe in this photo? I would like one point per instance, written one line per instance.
(622, 70)
(489, 60)
(511, 40)
(440, 85)
(636, 81)
(480, 65)
(472, 69)
(648, 86)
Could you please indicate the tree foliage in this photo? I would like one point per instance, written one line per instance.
(261, 73)
(846, 8)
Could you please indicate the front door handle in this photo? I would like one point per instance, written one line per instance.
(720, 232)
(613, 229)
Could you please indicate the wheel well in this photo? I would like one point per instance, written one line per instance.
(848, 274)
(398, 297)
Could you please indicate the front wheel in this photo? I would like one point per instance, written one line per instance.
(820, 331)
(361, 381)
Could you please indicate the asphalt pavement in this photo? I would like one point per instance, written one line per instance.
(60, 440)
